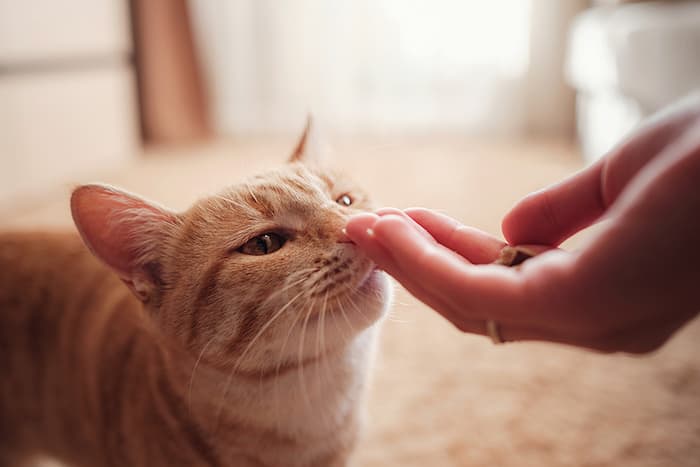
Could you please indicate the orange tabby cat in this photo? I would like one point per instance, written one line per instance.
(245, 339)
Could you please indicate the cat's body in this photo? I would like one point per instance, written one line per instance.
(233, 354)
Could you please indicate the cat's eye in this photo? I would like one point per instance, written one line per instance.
(344, 200)
(263, 244)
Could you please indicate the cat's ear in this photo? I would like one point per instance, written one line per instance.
(125, 232)
(309, 148)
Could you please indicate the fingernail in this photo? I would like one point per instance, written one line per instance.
(343, 237)
(387, 211)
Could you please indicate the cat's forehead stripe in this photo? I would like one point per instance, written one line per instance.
(272, 197)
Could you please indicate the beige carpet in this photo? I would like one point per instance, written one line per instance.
(440, 398)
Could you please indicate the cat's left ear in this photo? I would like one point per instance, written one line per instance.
(309, 149)
(126, 232)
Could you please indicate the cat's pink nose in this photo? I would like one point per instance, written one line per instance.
(343, 237)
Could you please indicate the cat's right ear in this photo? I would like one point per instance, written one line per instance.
(309, 148)
(125, 232)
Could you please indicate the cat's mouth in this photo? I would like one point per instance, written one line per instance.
(353, 298)
(370, 279)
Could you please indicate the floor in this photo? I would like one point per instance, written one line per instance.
(441, 398)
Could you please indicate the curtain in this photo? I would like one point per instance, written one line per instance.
(386, 65)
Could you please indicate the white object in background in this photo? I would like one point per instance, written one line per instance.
(604, 118)
(629, 61)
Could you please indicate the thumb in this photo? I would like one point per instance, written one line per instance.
(552, 215)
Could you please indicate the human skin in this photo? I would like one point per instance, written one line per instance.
(628, 289)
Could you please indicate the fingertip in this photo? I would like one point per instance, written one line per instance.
(386, 211)
(361, 229)
(388, 223)
(363, 217)
(391, 230)
(418, 213)
(510, 225)
(416, 210)
(531, 220)
(425, 217)
(359, 225)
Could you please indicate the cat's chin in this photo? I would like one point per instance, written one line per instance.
(371, 296)
(375, 283)
(362, 305)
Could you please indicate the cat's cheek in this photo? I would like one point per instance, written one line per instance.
(378, 291)
(378, 282)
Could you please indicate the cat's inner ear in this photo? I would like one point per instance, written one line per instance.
(125, 232)
(309, 147)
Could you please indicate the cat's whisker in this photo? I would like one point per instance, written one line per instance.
(364, 316)
(288, 284)
(245, 352)
(320, 355)
(317, 342)
(297, 318)
(194, 369)
(323, 336)
(346, 337)
(392, 313)
(338, 329)
(300, 357)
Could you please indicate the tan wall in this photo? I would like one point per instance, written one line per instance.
(67, 94)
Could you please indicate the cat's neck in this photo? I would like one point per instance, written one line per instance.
(305, 415)
(307, 403)
(94, 362)
(308, 413)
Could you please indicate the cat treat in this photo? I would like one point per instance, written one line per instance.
(515, 255)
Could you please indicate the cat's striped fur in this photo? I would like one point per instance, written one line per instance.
(208, 357)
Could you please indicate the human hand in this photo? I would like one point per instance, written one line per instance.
(629, 289)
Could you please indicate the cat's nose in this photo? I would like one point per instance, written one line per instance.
(343, 236)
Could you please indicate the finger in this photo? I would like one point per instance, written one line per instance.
(471, 290)
(625, 162)
(476, 246)
(552, 215)
(363, 230)
(360, 230)
(398, 212)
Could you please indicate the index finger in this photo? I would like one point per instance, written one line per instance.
(473, 244)
(552, 215)
(479, 291)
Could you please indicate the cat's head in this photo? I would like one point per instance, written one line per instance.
(259, 273)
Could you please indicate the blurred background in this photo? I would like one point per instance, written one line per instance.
(459, 105)
(87, 85)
